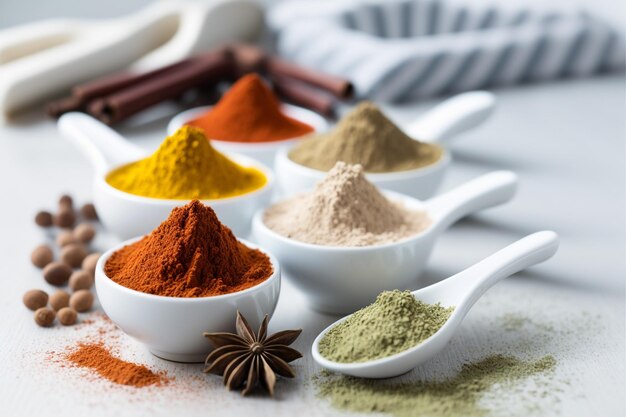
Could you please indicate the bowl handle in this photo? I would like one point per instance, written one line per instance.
(452, 117)
(104, 147)
(478, 194)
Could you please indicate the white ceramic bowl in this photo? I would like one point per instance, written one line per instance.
(128, 215)
(341, 280)
(172, 327)
(440, 124)
(419, 183)
(264, 152)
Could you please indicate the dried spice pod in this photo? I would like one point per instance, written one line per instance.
(57, 273)
(66, 201)
(67, 316)
(89, 263)
(88, 211)
(65, 238)
(41, 256)
(73, 255)
(247, 358)
(81, 280)
(84, 232)
(44, 317)
(44, 219)
(65, 218)
(59, 300)
(35, 299)
(81, 300)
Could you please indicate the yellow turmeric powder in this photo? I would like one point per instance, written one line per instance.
(186, 166)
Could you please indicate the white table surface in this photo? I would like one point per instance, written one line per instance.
(564, 139)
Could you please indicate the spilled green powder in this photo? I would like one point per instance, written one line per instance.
(395, 322)
(459, 396)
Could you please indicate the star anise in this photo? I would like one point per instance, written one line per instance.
(246, 358)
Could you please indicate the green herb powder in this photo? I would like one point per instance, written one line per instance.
(455, 397)
(392, 324)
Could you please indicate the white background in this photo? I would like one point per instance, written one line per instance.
(566, 141)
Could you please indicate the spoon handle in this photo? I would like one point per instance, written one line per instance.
(455, 115)
(472, 283)
(483, 192)
(104, 147)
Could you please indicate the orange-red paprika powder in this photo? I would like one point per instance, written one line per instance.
(249, 112)
(99, 359)
(191, 254)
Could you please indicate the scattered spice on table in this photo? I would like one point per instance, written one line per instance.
(76, 264)
(191, 254)
(344, 209)
(367, 137)
(249, 358)
(249, 112)
(395, 322)
(186, 166)
(459, 396)
(98, 358)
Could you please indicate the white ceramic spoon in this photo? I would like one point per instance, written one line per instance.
(129, 215)
(439, 125)
(41, 60)
(453, 116)
(461, 291)
(340, 279)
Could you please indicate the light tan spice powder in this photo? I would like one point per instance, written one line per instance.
(344, 209)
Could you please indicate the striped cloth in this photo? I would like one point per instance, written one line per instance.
(397, 50)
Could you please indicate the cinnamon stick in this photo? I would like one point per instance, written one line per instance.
(304, 95)
(65, 105)
(82, 94)
(339, 87)
(120, 105)
(251, 58)
(115, 82)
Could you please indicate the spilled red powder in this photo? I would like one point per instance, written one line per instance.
(98, 358)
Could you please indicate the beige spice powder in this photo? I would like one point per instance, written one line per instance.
(344, 209)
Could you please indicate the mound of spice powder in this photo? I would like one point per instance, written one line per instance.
(249, 112)
(97, 357)
(344, 209)
(395, 322)
(366, 137)
(191, 254)
(459, 396)
(186, 166)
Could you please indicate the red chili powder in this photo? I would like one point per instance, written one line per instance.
(249, 112)
(191, 254)
(97, 357)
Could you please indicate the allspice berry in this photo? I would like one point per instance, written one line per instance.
(89, 263)
(41, 256)
(81, 280)
(65, 218)
(88, 211)
(57, 273)
(73, 254)
(35, 299)
(84, 233)
(81, 300)
(66, 201)
(43, 219)
(65, 238)
(67, 316)
(44, 316)
(59, 299)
